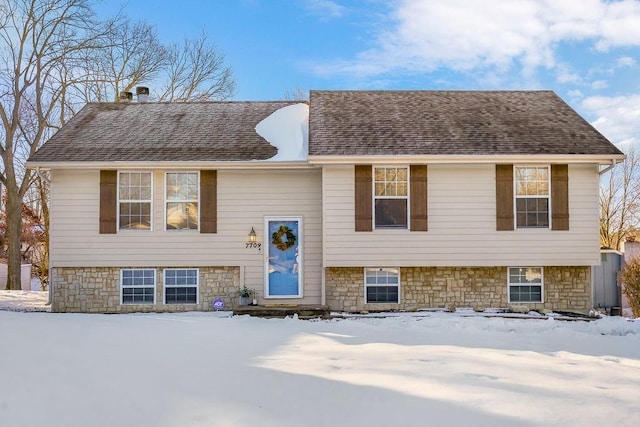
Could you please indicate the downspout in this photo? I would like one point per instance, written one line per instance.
(608, 168)
(614, 162)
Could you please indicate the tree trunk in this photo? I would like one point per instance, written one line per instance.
(14, 231)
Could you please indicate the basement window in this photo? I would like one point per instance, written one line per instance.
(525, 284)
(382, 285)
(137, 286)
(181, 286)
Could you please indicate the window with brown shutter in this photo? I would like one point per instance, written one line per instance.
(418, 197)
(108, 201)
(504, 197)
(559, 197)
(363, 197)
(208, 201)
(532, 196)
(390, 197)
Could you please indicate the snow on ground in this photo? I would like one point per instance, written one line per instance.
(210, 369)
(24, 300)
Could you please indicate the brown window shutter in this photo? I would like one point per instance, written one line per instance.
(208, 201)
(504, 197)
(559, 197)
(418, 197)
(108, 201)
(363, 196)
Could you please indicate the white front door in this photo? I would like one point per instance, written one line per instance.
(283, 262)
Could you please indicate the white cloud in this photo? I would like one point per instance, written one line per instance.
(564, 74)
(496, 34)
(617, 118)
(326, 8)
(619, 25)
(626, 61)
(599, 84)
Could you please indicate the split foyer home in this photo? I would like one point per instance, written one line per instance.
(358, 200)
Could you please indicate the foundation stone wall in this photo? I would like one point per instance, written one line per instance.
(565, 288)
(97, 290)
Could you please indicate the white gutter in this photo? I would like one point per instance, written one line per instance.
(614, 162)
(315, 161)
(261, 164)
(468, 159)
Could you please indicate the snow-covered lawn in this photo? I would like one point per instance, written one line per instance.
(204, 369)
(24, 301)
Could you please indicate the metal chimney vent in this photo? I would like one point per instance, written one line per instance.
(125, 97)
(142, 93)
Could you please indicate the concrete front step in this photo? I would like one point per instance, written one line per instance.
(304, 311)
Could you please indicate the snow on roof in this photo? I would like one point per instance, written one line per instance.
(287, 129)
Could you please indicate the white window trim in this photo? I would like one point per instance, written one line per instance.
(374, 197)
(155, 279)
(523, 284)
(164, 285)
(128, 230)
(164, 206)
(516, 197)
(386, 284)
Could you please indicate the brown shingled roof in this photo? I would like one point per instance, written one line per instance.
(474, 123)
(198, 131)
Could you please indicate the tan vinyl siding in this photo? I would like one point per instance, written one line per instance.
(462, 225)
(244, 198)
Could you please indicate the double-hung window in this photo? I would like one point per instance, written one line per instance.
(182, 200)
(181, 286)
(532, 196)
(382, 285)
(134, 205)
(525, 284)
(391, 190)
(138, 286)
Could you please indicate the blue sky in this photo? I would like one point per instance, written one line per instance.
(587, 51)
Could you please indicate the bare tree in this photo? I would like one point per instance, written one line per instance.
(195, 71)
(620, 201)
(297, 94)
(35, 239)
(54, 57)
(131, 53)
(36, 37)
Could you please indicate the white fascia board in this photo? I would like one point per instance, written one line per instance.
(458, 159)
(259, 164)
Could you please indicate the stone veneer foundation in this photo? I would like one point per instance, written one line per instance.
(97, 290)
(565, 288)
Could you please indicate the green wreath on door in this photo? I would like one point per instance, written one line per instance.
(276, 238)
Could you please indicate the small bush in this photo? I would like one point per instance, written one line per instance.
(631, 285)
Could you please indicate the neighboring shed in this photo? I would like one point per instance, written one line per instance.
(606, 289)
